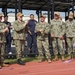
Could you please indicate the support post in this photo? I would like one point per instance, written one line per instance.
(68, 8)
(73, 8)
(52, 11)
(48, 7)
(15, 9)
(37, 12)
(19, 6)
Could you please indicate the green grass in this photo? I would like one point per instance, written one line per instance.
(28, 59)
(32, 59)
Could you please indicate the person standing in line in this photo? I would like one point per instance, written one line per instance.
(57, 31)
(19, 37)
(31, 38)
(70, 34)
(42, 29)
(8, 35)
(3, 31)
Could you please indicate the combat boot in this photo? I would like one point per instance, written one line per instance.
(0, 67)
(20, 62)
(69, 57)
(49, 61)
(40, 60)
(63, 58)
(56, 58)
(4, 65)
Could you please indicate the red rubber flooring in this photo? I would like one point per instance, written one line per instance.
(44, 68)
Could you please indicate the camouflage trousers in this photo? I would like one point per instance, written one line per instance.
(43, 45)
(2, 52)
(58, 46)
(20, 45)
(70, 42)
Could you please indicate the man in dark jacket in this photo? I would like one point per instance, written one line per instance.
(8, 35)
(31, 34)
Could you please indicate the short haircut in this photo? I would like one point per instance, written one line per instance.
(31, 15)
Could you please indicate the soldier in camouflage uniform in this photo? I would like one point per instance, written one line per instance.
(3, 30)
(19, 37)
(70, 34)
(57, 31)
(42, 29)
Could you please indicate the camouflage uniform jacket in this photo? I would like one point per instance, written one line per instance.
(46, 27)
(57, 27)
(19, 30)
(2, 34)
(70, 28)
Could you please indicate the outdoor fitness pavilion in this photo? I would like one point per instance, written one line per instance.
(44, 68)
(39, 5)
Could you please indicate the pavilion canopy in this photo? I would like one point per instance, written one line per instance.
(59, 5)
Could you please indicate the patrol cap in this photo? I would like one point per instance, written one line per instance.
(57, 13)
(42, 16)
(70, 15)
(19, 14)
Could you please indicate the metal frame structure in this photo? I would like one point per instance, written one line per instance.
(38, 5)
